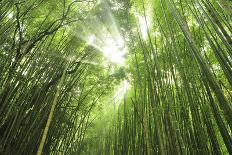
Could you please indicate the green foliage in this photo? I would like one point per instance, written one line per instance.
(178, 65)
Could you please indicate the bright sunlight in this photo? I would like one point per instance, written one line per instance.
(107, 39)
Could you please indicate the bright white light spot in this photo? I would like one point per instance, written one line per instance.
(10, 15)
(91, 39)
(114, 51)
(113, 55)
(113, 48)
(143, 26)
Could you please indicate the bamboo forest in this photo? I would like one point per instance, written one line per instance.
(115, 77)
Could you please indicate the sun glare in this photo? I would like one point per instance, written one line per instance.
(107, 40)
(115, 51)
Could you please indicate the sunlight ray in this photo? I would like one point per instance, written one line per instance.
(107, 40)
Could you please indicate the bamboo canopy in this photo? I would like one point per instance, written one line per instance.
(116, 77)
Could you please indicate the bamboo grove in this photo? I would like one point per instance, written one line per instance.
(56, 89)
